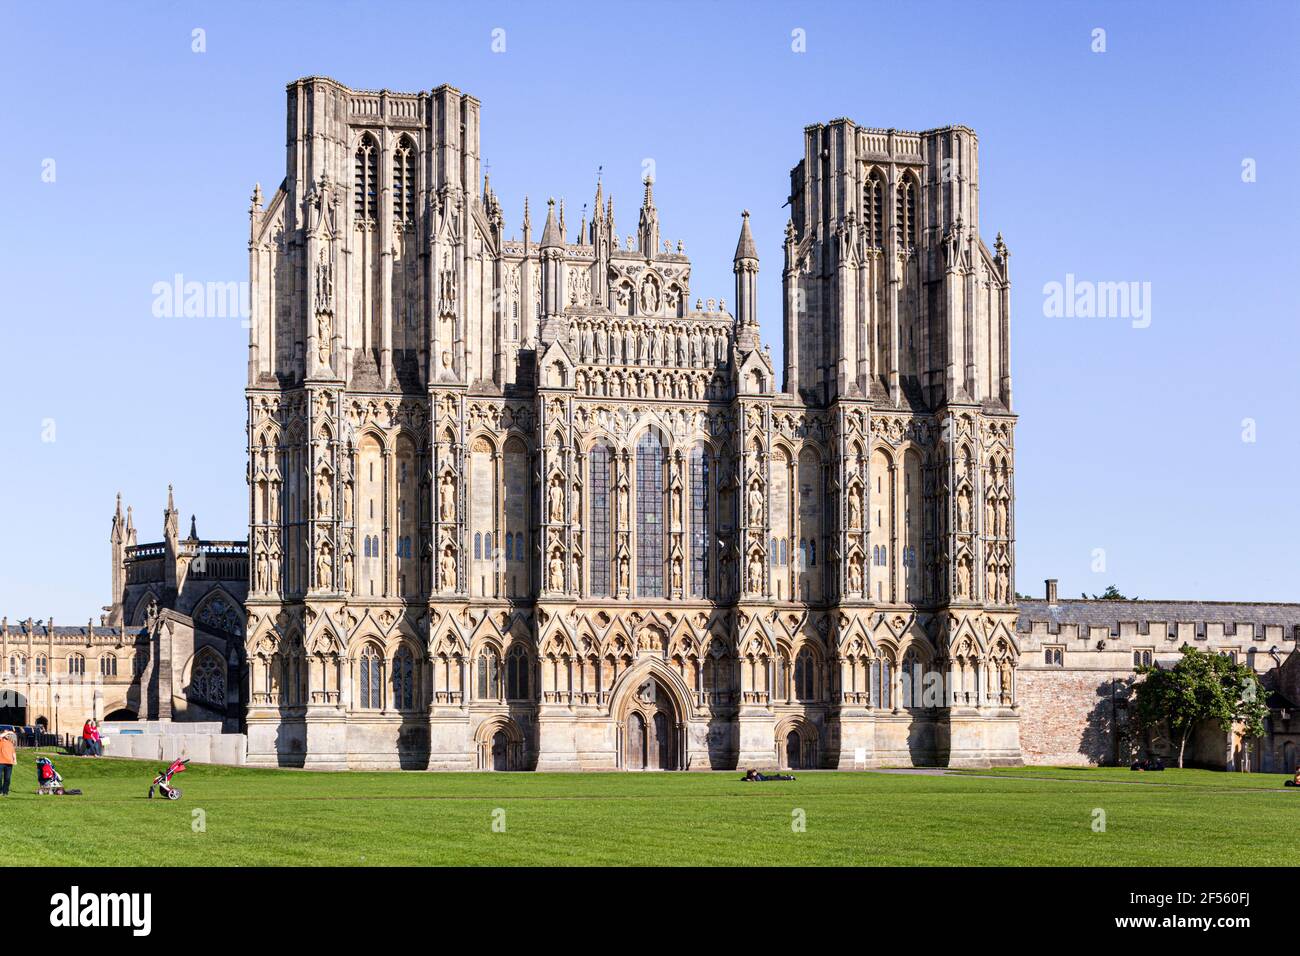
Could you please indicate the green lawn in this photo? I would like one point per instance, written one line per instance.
(1035, 816)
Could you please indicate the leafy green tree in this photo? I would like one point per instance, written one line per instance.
(1111, 593)
(1202, 686)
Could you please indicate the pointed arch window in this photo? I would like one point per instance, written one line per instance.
(517, 673)
(699, 522)
(108, 665)
(372, 681)
(404, 679)
(804, 671)
(76, 665)
(600, 523)
(650, 461)
(873, 197)
(905, 212)
(489, 676)
(208, 683)
(404, 182)
(366, 179)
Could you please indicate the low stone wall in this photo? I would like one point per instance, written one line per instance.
(161, 740)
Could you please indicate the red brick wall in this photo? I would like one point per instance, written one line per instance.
(1067, 716)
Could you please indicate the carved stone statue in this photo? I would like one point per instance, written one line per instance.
(447, 499)
(447, 570)
(557, 501)
(855, 575)
(756, 573)
(855, 508)
(557, 572)
(263, 579)
(324, 567)
(323, 495)
(756, 504)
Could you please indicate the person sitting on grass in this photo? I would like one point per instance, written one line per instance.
(1295, 779)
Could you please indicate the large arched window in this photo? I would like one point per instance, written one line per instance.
(699, 522)
(108, 665)
(804, 671)
(76, 665)
(372, 679)
(517, 673)
(366, 179)
(650, 460)
(404, 679)
(404, 182)
(208, 680)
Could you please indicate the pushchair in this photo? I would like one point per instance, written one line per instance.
(163, 782)
(48, 780)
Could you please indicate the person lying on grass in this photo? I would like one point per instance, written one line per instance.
(753, 776)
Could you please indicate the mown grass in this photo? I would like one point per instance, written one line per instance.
(1039, 816)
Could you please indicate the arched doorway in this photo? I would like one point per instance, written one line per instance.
(651, 729)
(793, 745)
(122, 715)
(796, 744)
(500, 744)
(13, 708)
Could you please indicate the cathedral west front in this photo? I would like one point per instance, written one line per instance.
(526, 500)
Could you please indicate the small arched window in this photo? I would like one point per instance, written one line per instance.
(108, 665)
(366, 179)
(76, 665)
(510, 546)
(478, 546)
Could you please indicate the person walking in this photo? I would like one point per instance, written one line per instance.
(8, 754)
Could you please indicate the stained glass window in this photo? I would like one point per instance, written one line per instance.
(650, 515)
(699, 523)
(599, 547)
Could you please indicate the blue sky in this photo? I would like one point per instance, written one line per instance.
(1123, 165)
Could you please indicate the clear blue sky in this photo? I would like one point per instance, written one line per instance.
(1117, 166)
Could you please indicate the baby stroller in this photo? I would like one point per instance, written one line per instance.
(48, 780)
(164, 780)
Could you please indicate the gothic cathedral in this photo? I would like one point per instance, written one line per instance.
(525, 503)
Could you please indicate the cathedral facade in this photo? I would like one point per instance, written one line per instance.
(532, 503)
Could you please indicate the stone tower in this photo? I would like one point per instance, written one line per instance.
(897, 322)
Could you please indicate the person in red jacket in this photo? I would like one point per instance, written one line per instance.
(90, 736)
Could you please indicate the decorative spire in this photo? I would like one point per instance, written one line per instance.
(648, 228)
(528, 224)
(194, 534)
(745, 248)
(551, 234)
